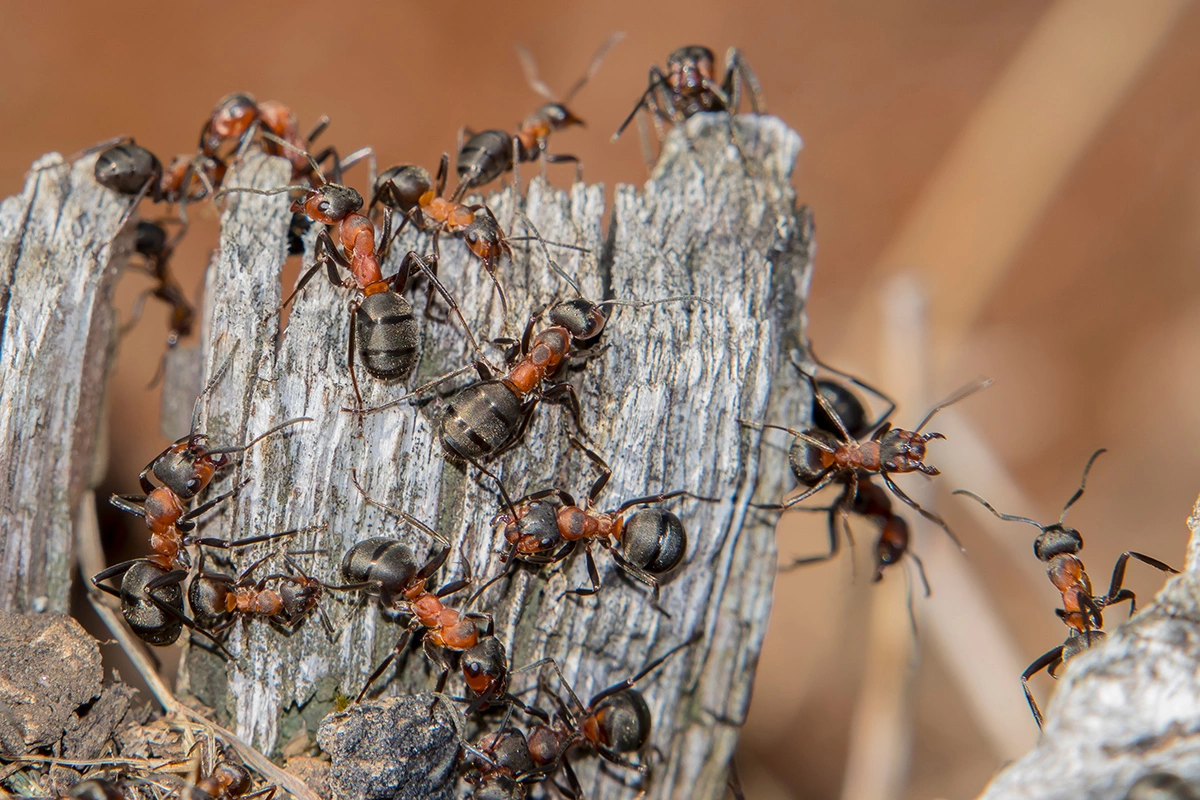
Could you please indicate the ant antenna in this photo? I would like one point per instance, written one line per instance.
(409, 518)
(961, 394)
(546, 250)
(1082, 484)
(991, 508)
(594, 67)
(645, 303)
(210, 385)
(311, 161)
(539, 86)
(260, 437)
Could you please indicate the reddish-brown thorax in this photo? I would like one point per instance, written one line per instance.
(548, 350)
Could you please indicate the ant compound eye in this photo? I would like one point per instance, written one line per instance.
(323, 207)
(472, 237)
(193, 485)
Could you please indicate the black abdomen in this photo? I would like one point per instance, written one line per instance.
(386, 335)
(481, 419)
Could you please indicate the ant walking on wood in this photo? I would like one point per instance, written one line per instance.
(1058, 547)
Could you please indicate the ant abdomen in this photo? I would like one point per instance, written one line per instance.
(808, 462)
(401, 188)
(481, 419)
(654, 540)
(389, 562)
(620, 722)
(126, 168)
(148, 620)
(484, 157)
(208, 598)
(387, 335)
(848, 407)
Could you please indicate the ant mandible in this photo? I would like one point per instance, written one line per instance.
(819, 458)
(1058, 547)
(487, 155)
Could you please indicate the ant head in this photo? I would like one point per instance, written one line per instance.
(485, 667)
(560, 116)
(125, 168)
(583, 318)
(688, 65)
(330, 203)
(233, 115)
(653, 539)
(299, 596)
(1056, 540)
(904, 451)
(846, 404)
(807, 458)
(188, 467)
(620, 722)
(403, 187)
(485, 238)
(892, 545)
(536, 530)
(208, 595)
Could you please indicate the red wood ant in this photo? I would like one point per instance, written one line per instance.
(384, 332)
(690, 87)
(616, 722)
(184, 469)
(1058, 547)
(390, 568)
(228, 780)
(156, 249)
(647, 543)
(487, 155)
(819, 458)
(218, 601)
(238, 117)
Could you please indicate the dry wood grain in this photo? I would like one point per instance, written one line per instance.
(661, 401)
(58, 265)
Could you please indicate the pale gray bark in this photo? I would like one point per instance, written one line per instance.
(662, 403)
(1126, 707)
(57, 271)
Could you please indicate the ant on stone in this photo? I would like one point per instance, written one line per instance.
(487, 155)
(1058, 547)
(645, 544)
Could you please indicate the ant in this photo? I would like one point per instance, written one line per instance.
(1058, 547)
(227, 780)
(690, 87)
(218, 601)
(819, 457)
(487, 155)
(615, 722)
(130, 169)
(184, 469)
(156, 249)
(384, 332)
(391, 569)
(238, 117)
(151, 601)
(410, 191)
(647, 543)
(487, 417)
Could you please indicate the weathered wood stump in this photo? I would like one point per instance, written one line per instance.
(58, 266)
(661, 401)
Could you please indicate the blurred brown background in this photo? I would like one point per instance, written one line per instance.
(1032, 166)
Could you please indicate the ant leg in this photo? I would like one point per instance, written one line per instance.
(358, 401)
(176, 577)
(1049, 659)
(1121, 597)
(186, 522)
(598, 460)
(834, 539)
(419, 390)
(404, 515)
(824, 481)
(568, 390)
(921, 571)
(396, 650)
(226, 544)
(112, 572)
(662, 498)
(891, 404)
(915, 506)
(133, 503)
(515, 144)
(135, 314)
(563, 158)
(406, 265)
(621, 686)
(593, 576)
(572, 791)
(438, 657)
(1118, 576)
